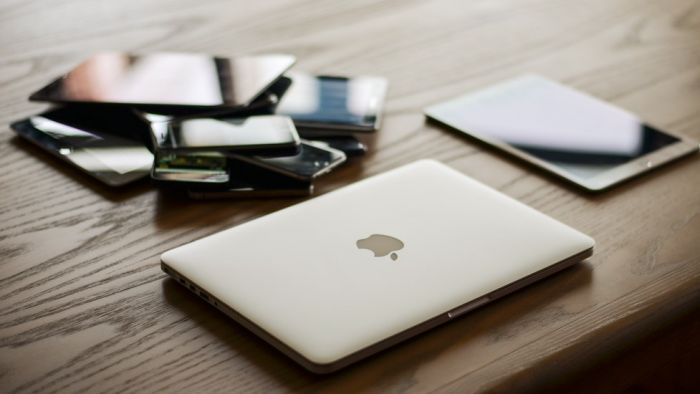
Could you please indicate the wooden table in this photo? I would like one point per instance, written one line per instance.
(84, 305)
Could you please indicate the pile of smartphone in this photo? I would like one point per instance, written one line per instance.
(210, 126)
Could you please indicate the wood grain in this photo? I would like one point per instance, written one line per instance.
(84, 306)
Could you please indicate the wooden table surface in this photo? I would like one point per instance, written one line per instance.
(85, 307)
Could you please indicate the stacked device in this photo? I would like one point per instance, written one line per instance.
(215, 127)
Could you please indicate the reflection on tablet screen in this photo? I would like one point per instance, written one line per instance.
(571, 130)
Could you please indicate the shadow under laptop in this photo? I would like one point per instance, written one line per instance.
(493, 331)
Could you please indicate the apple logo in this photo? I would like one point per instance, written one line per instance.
(381, 245)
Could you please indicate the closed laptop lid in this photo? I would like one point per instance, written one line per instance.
(308, 275)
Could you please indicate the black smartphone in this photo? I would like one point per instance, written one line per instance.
(250, 181)
(311, 161)
(212, 175)
(167, 81)
(350, 145)
(108, 145)
(264, 135)
(323, 103)
(253, 189)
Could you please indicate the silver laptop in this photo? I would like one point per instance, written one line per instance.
(344, 275)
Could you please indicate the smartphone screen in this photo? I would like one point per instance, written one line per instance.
(310, 162)
(334, 103)
(267, 134)
(107, 146)
(578, 134)
(167, 80)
